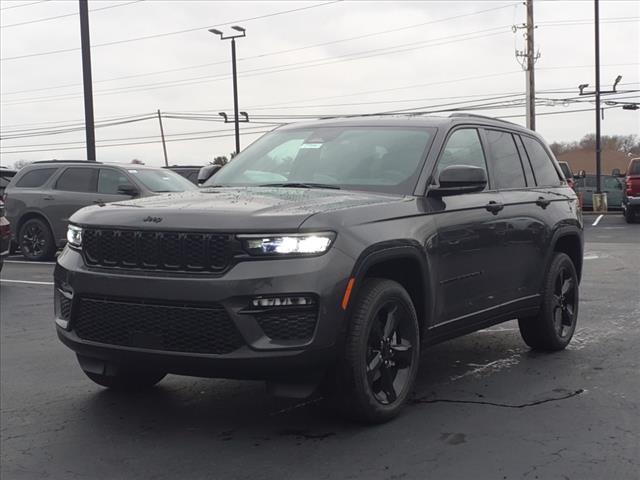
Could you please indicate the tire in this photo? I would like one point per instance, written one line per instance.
(629, 215)
(553, 327)
(36, 240)
(382, 351)
(127, 381)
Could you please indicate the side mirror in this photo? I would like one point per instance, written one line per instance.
(207, 172)
(582, 174)
(458, 179)
(128, 189)
(616, 172)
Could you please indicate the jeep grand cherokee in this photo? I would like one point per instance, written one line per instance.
(328, 253)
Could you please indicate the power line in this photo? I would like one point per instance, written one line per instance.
(268, 54)
(134, 143)
(22, 5)
(176, 32)
(67, 15)
(279, 68)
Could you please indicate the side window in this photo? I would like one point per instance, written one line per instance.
(528, 171)
(109, 179)
(463, 148)
(505, 160)
(541, 162)
(77, 180)
(36, 178)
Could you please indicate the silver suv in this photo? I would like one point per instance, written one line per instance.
(42, 196)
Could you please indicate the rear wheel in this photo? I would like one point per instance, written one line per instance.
(36, 240)
(381, 353)
(553, 327)
(127, 380)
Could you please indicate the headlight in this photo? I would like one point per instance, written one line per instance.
(74, 236)
(288, 244)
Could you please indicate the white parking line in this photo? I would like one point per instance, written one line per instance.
(595, 223)
(27, 282)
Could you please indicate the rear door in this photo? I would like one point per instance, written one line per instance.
(75, 187)
(525, 214)
(469, 234)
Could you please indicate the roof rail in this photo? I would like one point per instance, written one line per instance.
(475, 115)
(182, 166)
(67, 161)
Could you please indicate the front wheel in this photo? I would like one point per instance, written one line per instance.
(553, 327)
(382, 352)
(629, 215)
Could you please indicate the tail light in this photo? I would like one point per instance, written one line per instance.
(633, 186)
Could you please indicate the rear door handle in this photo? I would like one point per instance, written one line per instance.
(48, 197)
(494, 207)
(543, 202)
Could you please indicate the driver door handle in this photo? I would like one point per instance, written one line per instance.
(494, 207)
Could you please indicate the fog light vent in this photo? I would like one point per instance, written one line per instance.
(288, 301)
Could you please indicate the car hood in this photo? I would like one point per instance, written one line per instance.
(227, 209)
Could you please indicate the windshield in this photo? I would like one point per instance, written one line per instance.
(159, 181)
(382, 159)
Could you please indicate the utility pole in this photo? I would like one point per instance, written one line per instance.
(531, 79)
(528, 65)
(599, 198)
(164, 145)
(87, 82)
(236, 119)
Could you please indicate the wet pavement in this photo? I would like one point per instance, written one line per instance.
(485, 406)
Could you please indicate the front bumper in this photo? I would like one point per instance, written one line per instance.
(631, 202)
(258, 356)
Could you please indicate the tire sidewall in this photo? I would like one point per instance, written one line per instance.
(388, 290)
(560, 260)
(49, 247)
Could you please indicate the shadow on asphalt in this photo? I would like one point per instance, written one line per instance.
(223, 409)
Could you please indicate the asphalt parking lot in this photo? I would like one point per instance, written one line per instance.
(485, 407)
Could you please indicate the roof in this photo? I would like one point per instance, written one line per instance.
(407, 121)
(135, 166)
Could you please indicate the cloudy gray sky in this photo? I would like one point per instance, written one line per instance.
(298, 58)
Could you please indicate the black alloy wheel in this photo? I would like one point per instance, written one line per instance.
(36, 240)
(382, 352)
(554, 325)
(389, 352)
(564, 303)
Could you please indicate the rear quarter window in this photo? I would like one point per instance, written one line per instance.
(543, 169)
(35, 178)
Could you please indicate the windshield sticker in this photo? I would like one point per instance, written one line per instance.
(311, 145)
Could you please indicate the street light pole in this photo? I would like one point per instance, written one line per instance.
(598, 143)
(241, 33)
(235, 95)
(87, 82)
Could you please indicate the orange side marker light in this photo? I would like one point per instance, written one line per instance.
(347, 293)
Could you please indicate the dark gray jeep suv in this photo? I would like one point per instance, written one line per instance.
(328, 254)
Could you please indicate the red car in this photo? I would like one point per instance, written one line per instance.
(631, 194)
(5, 235)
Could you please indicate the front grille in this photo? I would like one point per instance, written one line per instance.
(172, 251)
(288, 325)
(189, 329)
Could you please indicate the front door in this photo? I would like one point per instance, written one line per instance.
(470, 232)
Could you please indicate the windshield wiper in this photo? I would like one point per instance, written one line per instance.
(302, 185)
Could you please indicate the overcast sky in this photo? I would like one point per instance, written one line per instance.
(407, 55)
